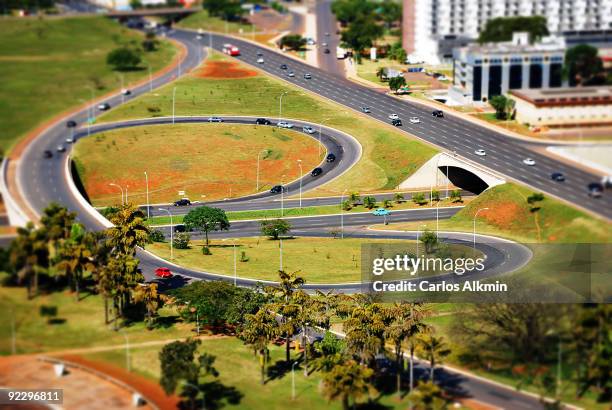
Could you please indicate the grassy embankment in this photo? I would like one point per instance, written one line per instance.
(214, 160)
(388, 156)
(48, 65)
(204, 21)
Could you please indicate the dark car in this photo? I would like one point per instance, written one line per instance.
(47, 153)
(396, 122)
(180, 228)
(595, 189)
(276, 189)
(182, 202)
(71, 124)
(330, 158)
(557, 176)
(316, 172)
(326, 51)
(263, 121)
(283, 66)
(437, 113)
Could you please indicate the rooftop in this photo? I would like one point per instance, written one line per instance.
(591, 95)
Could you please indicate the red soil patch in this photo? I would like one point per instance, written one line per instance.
(224, 69)
(504, 214)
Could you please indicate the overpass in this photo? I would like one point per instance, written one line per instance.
(148, 12)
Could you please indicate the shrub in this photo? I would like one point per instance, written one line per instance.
(419, 199)
(155, 235)
(369, 202)
(206, 251)
(181, 240)
(123, 58)
(243, 257)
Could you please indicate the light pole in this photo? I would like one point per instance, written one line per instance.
(171, 233)
(417, 240)
(342, 214)
(150, 79)
(280, 105)
(437, 218)
(118, 186)
(126, 194)
(127, 351)
(474, 231)
(147, 184)
(235, 270)
(266, 151)
(282, 196)
(122, 93)
(173, 100)
(320, 134)
(300, 165)
(293, 380)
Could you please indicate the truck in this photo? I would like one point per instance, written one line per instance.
(231, 50)
(340, 53)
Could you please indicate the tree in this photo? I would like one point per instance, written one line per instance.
(395, 83)
(177, 363)
(429, 239)
(211, 301)
(258, 331)
(364, 330)
(435, 350)
(293, 42)
(583, 66)
(29, 256)
(354, 198)
(380, 71)
(181, 240)
(75, 256)
(419, 198)
(206, 219)
(503, 106)
(246, 301)
(123, 58)
(275, 228)
(501, 28)
(390, 12)
(128, 230)
(347, 382)
(147, 294)
(347, 11)
(387, 203)
(435, 195)
(226, 9)
(155, 235)
(369, 202)
(150, 43)
(330, 352)
(455, 195)
(427, 396)
(533, 200)
(398, 197)
(347, 205)
(361, 34)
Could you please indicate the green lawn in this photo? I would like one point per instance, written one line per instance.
(48, 65)
(77, 325)
(509, 216)
(388, 155)
(215, 160)
(202, 20)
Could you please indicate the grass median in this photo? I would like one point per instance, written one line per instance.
(224, 86)
(47, 68)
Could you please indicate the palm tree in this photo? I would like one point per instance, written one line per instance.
(398, 197)
(347, 382)
(364, 330)
(129, 230)
(147, 293)
(259, 330)
(435, 350)
(75, 256)
(29, 255)
(354, 198)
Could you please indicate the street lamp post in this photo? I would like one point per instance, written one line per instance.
(342, 214)
(171, 233)
(121, 189)
(417, 239)
(282, 196)
(173, 101)
(127, 351)
(126, 194)
(437, 218)
(474, 231)
(300, 165)
(147, 184)
(150, 79)
(122, 93)
(257, 185)
(280, 105)
(235, 269)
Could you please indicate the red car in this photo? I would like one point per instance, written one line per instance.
(163, 273)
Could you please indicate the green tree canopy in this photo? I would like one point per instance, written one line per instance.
(396, 83)
(583, 66)
(501, 28)
(210, 300)
(123, 58)
(275, 228)
(347, 382)
(206, 219)
(347, 11)
(361, 34)
(293, 42)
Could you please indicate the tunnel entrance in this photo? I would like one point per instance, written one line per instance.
(464, 179)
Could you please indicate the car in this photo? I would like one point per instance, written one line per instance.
(231, 50)
(326, 51)
(437, 113)
(290, 74)
(381, 212)
(284, 124)
(324, 44)
(180, 228)
(365, 109)
(310, 42)
(260, 60)
(61, 148)
(283, 66)
(414, 120)
(276, 189)
(163, 273)
(182, 202)
(595, 189)
(259, 54)
(104, 107)
(330, 157)
(557, 176)
(396, 123)
(69, 140)
(47, 153)
(262, 121)
(71, 124)
(326, 34)
(480, 152)
(393, 117)
(316, 172)
(307, 76)
(308, 129)
(529, 161)
(125, 91)
(215, 119)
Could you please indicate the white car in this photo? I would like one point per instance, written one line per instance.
(291, 74)
(284, 124)
(529, 161)
(308, 129)
(69, 140)
(215, 119)
(480, 152)
(393, 117)
(125, 91)
(260, 60)
(414, 120)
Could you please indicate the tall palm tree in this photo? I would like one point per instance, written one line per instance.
(347, 382)
(29, 255)
(75, 256)
(152, 299)
(435, 350)
(259, 330)
(129, 230)
(364, 330)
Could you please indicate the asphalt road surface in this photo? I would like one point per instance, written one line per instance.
(326, 33)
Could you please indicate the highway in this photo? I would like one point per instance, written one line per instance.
(327, 24)
(42, 181)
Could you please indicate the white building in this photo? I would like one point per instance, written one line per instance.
(124, 4)
(564, 106)
(483, 71)
(428, 24)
